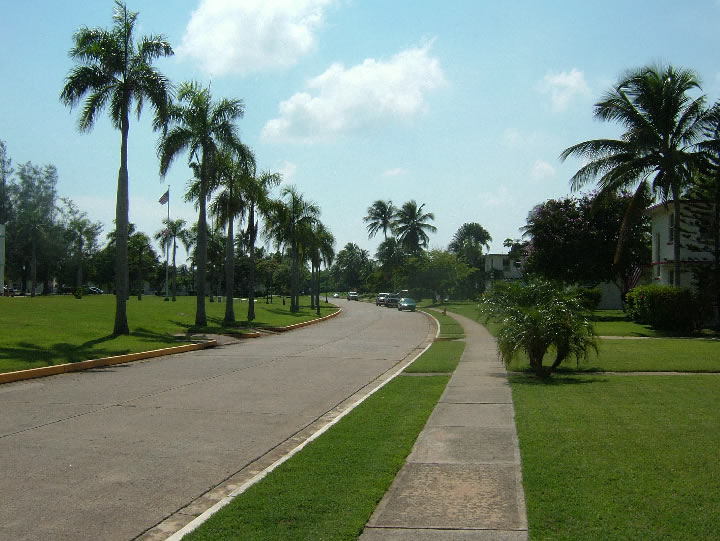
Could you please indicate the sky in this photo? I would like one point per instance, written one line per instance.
(461, 105)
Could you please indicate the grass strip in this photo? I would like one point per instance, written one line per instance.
(45, 331)
(330, 489)
(449, 328)
(611, 457)
(440, 357)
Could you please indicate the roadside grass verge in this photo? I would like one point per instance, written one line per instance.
(440, 357)
(330, 489)
(44, 331)
(612, 457)
(449, 328)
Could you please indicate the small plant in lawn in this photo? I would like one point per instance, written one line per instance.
(534, 316)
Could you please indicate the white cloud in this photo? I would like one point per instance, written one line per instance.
(288, 171)
(342, 101)
(563, 87)
(394, 172)
(227, 36)
(542, 170)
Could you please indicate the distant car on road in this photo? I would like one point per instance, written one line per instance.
(352, 296)
(392, 301)
(406, 303)
(380, 299)
(336, 296)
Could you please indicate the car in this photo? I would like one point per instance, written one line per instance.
(92, 290)
(406, 303)
(380, 299)
(392, 301)
(352, 296)
(336, 295)
(8, 291)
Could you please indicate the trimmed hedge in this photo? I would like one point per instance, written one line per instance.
(667, 308)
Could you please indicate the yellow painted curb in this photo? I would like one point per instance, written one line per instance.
(304, 323)
(19, 375)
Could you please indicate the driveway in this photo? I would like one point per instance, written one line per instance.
(111, 453)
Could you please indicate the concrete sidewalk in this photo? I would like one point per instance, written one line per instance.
(463, 478)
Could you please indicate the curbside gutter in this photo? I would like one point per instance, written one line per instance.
(19, 375)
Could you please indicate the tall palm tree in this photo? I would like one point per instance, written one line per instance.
(174, 230)
(411, 226)
(256, 191)
(468, 241)
(82, 233)
(320, 248)
(234, 167)
(201, 126)
(380, 216)
(115, 71)
(285, 225)
(663, 126)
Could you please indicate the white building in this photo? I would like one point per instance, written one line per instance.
(695, 241)
(501, 267)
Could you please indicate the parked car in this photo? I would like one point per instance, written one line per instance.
(8, 291)
(352, 296)
(380, 299)
(392, 301)
(92, 290)
(406, 303)
(336, 295)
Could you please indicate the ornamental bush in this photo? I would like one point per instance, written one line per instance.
(667, 308)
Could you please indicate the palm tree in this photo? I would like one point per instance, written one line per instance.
(82, 232)
(200, 126)
(468, 241)
(320, 248)
(256, 190)
(284, 224)
(116, 72)
(411, 226)
(174, 230)
(380, 216)
(663, 125)
(233, 168)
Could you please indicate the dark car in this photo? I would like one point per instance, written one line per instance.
(392, 301)
(92, 290)
(406, 303)
(380, 299)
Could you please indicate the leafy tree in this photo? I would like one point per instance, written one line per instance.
(6, 172)
(83, 235)
(536, 315)
(443, 272)
(352, 267)
(663, 126)
(468, 241)
(380, 216)
(114, 71)
(174, 230)
(142, 258)
(574, 239)
(288, 219)
(411, 226)
(201, 126)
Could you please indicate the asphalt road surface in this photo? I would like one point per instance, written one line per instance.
(110, 453)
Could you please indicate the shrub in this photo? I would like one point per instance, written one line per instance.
(667, 308)
(591, 297)
(536, 315)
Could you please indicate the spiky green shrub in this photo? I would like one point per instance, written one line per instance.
(535, 315)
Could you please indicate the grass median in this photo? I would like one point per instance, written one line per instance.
(45, 331)
(330, 489)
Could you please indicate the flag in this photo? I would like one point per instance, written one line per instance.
(165, 198)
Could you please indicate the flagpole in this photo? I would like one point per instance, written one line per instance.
(167, 249)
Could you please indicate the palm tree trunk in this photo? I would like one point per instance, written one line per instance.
(294, 279)
(200, 317)
(676, 243)
(229, 273)
(121, 235)
(33, 264)
(174, 275)
(251, 271)
(79, 275)
(139, 275)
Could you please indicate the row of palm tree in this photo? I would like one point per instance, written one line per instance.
(670, 141)
(114, 71)
(409, 224)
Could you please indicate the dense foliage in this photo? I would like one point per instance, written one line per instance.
(667, 308)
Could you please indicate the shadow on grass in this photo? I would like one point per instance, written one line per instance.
(63, 352)
(554, 380)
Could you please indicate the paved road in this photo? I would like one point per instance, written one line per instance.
(110, 453)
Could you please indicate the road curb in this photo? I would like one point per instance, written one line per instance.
(44, 371)
(304, 323)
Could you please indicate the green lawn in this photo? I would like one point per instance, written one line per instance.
(440, 357)
(449, 328)
(612, 457)
(43, 331)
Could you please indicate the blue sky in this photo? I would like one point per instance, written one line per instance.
(461, 105)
